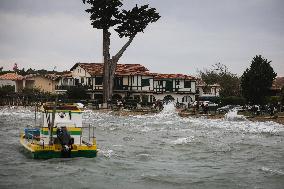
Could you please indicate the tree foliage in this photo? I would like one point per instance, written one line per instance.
(257, 80)
(107, 14)
(282, 95)
(77, 93)
(6, 90)
(232, 100)
(219, 74)
(104, 13)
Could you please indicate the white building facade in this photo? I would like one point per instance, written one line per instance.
(132, 81)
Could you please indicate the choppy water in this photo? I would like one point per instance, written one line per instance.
(157, 151)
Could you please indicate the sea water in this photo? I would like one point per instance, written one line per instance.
(151, 151)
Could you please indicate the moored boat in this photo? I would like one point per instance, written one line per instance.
(60, 134)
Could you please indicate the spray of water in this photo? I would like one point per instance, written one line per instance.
(233, 116)
(169, 110)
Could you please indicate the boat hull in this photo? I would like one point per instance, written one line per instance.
(58, 154)
(37, 151)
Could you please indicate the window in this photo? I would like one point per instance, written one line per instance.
(187, 84)
(177, 82)
(90, 81)
(160, 82)
(82, 80)
(145, 82)
(99, 81)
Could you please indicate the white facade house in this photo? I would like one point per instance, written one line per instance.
(132, 80)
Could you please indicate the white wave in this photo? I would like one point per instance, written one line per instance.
(185, 140)
(240, 126)
(106, 153)
(273, 171)
(18, 111)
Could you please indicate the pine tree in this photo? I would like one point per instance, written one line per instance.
(257, 80)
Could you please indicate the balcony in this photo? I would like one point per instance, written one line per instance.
(67, 87)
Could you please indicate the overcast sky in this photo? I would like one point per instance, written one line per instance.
(191, 35)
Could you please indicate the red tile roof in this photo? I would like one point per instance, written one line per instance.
(121, 69)
(128, 69)
(173, 76)
(65, 74)
(48, 76)
(11, 76)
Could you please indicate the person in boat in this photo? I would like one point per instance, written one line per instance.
(65, 140)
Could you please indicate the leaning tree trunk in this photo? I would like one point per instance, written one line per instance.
(106, 73)
(110, 65)
(113, 63)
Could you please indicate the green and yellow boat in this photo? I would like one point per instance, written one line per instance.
(60, 135)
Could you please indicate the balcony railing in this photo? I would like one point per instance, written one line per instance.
(67, 87)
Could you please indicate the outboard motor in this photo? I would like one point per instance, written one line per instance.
(65, 140)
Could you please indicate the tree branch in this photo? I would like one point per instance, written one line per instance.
(122, 50)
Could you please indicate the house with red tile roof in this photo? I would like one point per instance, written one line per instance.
(131, 80)
(9, 79)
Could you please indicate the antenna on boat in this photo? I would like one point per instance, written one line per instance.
(52, 121)
(35, 113)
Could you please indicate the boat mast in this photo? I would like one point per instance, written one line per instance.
(35, 113)
(52, 121)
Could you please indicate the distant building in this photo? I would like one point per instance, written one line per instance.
(277, 85)
(9, 79)
(207, 91)
(131, 80)
(45, 83)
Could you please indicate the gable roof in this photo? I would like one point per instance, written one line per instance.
(121, 69)
(173, 76)
(11, 76)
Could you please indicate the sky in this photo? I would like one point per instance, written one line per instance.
(191, 35)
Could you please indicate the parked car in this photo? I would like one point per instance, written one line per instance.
(210, 104)
(226, 109)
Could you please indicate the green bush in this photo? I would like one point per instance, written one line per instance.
(273, 100)
(6, 90)
(77, 93)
